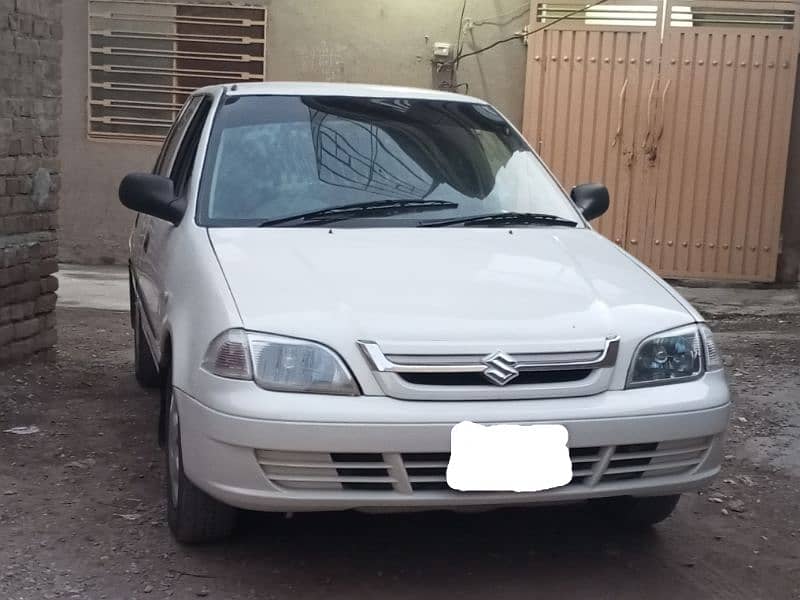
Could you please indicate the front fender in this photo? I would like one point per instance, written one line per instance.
(198, 302)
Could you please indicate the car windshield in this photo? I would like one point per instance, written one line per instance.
(408, 161)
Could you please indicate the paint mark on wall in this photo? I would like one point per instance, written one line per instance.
(322, 62)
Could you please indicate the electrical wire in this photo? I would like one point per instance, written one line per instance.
(459, 39)
(521, 36)
(497, 19)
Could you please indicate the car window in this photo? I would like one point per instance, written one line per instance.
(175, 135)
(184, 161)
(272, 157)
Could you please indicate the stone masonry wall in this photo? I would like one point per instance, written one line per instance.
(30, 109)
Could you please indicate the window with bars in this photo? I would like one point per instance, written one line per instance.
(612, 15)
(694, 14)
(146, 57)
(731, 16)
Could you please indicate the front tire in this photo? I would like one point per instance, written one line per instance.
(193, 516)
(637, 513)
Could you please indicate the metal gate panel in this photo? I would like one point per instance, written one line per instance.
(728, 70)
(686, 121)
(588, 80)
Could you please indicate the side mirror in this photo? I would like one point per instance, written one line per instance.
(591, 199)
(152, 195)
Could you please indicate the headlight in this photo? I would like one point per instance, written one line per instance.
(279, 363)
(674, 356)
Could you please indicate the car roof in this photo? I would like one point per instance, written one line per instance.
(358, 90)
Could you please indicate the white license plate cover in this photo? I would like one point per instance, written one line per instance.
(508, 457)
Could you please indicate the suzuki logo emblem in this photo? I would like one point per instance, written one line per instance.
(500, 368)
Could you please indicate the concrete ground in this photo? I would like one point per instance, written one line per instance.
(104, 288)
(82, 511)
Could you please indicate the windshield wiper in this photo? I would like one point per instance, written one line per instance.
(348, 211)
(507, 218)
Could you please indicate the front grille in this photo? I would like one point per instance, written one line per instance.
(524, 378)
(426, 470)
(411, 472)
(433, 372)
(367, 471)
(625, 461)
(429, 471)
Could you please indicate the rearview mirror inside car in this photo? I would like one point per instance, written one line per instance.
(591, 199)
(152, 195)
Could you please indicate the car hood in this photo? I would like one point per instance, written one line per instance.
(457, 290)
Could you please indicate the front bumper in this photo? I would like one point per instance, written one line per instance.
(293, 456)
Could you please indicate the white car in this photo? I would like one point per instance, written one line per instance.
(328, 279)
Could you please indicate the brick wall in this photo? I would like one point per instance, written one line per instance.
(30, 109)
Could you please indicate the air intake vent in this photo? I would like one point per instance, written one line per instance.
(410, 472)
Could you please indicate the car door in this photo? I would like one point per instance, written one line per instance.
(151, 234)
